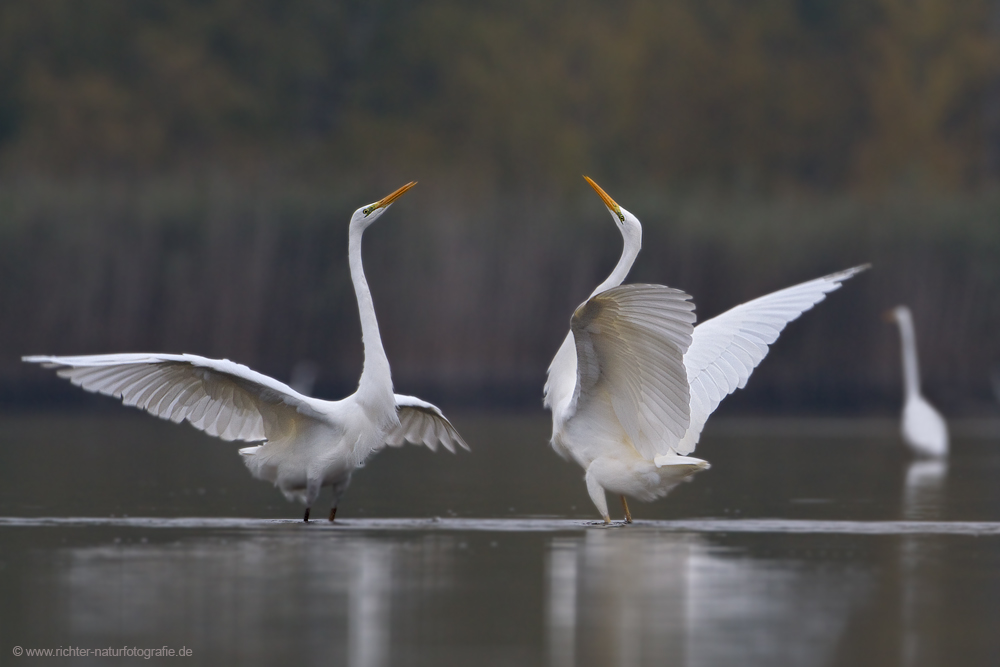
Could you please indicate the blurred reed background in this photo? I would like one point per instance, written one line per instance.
(177, 176)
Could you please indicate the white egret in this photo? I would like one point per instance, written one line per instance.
(634, 382)
(923, 427)
(308, 443)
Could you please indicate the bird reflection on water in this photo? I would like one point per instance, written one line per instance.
(923, 489)
(369, 603)
(270, 599)
(629, 597)
(920, 589)
(680, 600)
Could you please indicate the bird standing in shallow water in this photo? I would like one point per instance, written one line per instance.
(308, 443)
(923, 427)
(634, 381)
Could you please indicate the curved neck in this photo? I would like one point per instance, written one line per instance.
(629, 252)
(375, 387)
(911, 372)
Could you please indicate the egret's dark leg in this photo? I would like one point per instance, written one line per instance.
(312, 493)
(628, 515)
(338, 489)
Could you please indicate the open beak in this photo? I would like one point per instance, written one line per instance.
(608, 201)
(394, 196)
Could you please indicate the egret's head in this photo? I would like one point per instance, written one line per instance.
(366, 215)
(897, 314)
(627, 223)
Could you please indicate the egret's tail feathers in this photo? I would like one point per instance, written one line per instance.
(673, 459)
(247, 452)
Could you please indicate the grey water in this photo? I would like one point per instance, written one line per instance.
(808, 542)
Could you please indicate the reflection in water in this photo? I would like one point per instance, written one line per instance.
(593, 596)
(771, 612)
(923, 494)
(619, 596)
(326, 598)
(369, 604)
(924, 489)
(561, 600)
(839, 583)
(676, 599)
(619, 600)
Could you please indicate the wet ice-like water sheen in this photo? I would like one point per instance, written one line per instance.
(845, 553)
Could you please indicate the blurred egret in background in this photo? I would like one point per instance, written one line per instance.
(923, 427)
(634, 381)
(308, 443)
(303, 377)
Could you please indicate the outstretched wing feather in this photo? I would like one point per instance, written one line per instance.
(726, 349)
(422, 423)
(222, 398)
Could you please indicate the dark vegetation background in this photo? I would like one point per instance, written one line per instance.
(178, 175)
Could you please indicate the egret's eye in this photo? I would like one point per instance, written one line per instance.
(367, 211)
(621, 217)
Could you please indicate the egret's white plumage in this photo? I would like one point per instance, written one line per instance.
(308, 443)
(923, 427)
(634, 381)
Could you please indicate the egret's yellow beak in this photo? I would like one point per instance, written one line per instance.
(394, 196)
(608, 201)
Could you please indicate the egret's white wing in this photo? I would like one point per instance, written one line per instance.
(630, 344)
(726, 349)
(218, 396)
(422, 423)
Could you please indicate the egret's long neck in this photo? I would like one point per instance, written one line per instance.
(375, 387)
(911, 372)
(629, 253)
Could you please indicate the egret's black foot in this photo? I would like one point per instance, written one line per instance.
(333, 513)
(305, 519)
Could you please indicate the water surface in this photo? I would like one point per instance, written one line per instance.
(806, 544)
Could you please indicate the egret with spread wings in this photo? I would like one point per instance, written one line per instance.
(307, 443)
(634, 381)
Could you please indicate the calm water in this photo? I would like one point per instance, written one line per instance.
(807, 543)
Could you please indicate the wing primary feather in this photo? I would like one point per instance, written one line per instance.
(726, 349)
(222, 398)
